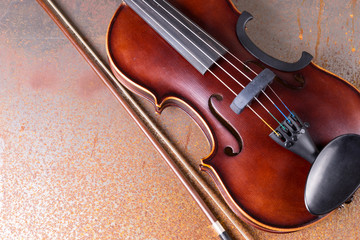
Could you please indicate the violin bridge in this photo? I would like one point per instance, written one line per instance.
(258, 84)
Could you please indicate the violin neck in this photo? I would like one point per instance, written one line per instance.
(187, 38)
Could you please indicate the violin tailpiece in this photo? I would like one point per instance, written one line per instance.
(294, 136)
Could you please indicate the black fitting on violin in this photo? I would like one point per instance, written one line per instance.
(334, 177)
(262, 56)
(252, 90)
(294, 136)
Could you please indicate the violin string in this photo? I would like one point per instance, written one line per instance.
(231, 54)
(218, 55)
(271, 89)
(237, 59)
(215, 52)
(221, 81)
(262, 105)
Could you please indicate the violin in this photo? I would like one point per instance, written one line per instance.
(284, 137)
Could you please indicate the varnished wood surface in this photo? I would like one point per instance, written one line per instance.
(69, 165)
(264, 184)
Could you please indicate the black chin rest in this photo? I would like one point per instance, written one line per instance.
(334, 176)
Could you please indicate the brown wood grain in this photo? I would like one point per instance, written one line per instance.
(264, 184)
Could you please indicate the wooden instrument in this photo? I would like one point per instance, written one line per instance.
(273, 127)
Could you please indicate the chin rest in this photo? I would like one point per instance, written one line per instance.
(334, 176)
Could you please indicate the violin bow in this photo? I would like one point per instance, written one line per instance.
(144, 123)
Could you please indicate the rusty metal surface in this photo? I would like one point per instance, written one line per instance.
(72, 163)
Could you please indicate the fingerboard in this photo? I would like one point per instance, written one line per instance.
(187, 38)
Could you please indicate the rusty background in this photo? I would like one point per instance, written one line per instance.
(72, 163)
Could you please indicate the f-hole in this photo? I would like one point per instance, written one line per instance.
(228, 150)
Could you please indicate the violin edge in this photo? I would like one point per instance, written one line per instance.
(161, 105)
(357, 89)
(206, 130)
(246, 217)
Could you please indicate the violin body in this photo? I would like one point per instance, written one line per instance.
(262, 182)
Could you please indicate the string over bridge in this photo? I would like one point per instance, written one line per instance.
(252, 90)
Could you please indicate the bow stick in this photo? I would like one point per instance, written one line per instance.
(143, 120)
